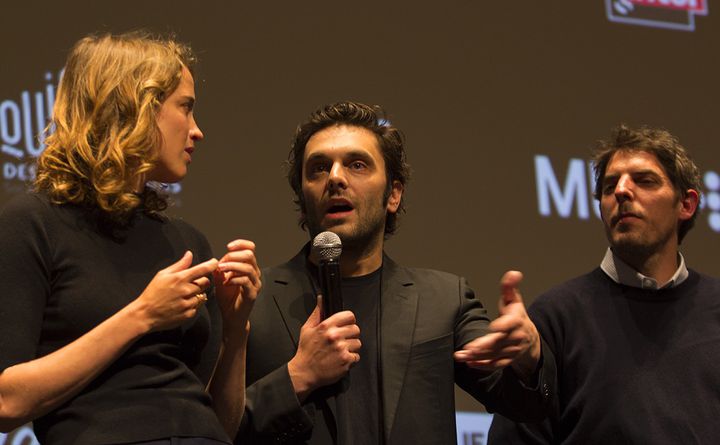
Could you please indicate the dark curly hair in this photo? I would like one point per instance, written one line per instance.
(372, 118)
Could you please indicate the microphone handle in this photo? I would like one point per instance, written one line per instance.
(331, 286)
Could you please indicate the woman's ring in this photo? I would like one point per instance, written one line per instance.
(201, 298)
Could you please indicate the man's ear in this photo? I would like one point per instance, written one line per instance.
(393, 202)
(688, 204)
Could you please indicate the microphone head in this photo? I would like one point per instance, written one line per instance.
(327, 246)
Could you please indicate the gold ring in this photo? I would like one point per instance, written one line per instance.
(201, 298)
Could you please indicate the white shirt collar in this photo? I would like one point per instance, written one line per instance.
(620, 272)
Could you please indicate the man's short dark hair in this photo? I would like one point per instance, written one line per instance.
(372, 118)
(680, 169)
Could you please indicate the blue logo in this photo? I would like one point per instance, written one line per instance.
(712, 199)
(22, 124)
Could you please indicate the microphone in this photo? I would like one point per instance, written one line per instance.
(327, 247)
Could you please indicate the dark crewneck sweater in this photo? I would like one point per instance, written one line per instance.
(359, 411)
(634, 366)
(61, 276)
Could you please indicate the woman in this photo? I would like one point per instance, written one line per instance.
(113, 331)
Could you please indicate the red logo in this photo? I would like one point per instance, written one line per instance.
(696, 6)
(670, 14)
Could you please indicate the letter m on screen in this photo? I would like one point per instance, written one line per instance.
(573, 194)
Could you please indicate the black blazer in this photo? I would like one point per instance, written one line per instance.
(426, 315)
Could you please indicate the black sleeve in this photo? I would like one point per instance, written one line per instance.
(502, 391)
(273, 413)
(25, 274)
(506, 431)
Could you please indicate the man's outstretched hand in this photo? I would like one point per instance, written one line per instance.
(513, 338)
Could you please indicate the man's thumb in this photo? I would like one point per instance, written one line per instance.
(316, 316)
(509, 288)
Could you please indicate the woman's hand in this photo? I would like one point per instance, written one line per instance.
(175, 293)
(237, 283)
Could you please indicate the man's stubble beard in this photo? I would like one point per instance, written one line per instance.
(367, 231)
(634, 247)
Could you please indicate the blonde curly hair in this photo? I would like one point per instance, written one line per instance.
(103, 137)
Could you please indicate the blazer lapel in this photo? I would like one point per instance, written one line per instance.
(295, 295)
(398, 300)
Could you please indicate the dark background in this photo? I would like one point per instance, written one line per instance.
(479, 88)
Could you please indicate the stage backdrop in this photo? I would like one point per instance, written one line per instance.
(500, 103)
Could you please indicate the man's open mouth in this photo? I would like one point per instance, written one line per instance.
(339, 208)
